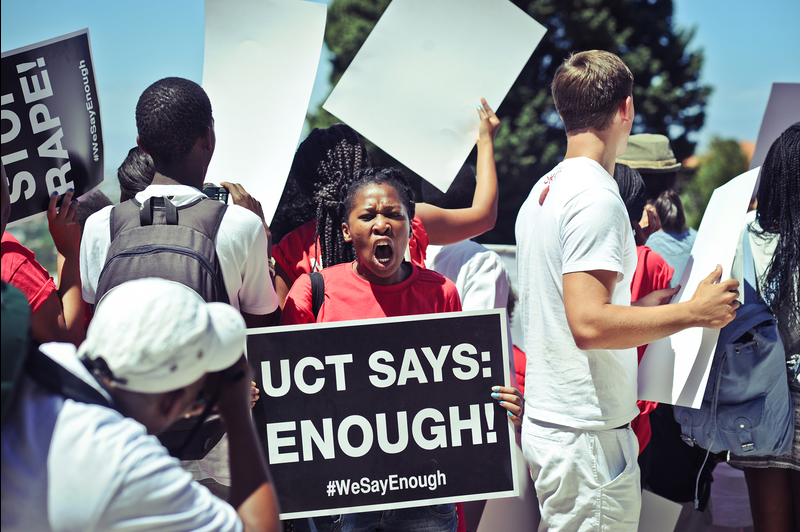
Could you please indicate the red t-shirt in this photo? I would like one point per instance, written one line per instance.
(297, 252)
(349, 297)
(20, 269)
(652, 273)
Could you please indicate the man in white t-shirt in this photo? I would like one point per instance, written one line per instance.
(157, 351)
(176, 128)
(575, 259)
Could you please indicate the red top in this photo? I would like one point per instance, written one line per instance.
(349, 297)
(520, 361)
(652, 273)
(297, 252)
(20, 269)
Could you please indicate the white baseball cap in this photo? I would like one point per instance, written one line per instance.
(157, 336)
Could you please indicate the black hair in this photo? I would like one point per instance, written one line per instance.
(669, 208)
(135, 173)
(631, 189)
(325, 162)
(459, 194)
(171, 115)
(90, 204)
(778, 213)
(373, 176)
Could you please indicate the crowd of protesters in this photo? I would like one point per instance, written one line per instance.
(602, 244)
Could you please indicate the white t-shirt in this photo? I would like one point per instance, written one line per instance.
(241, 248)
(480, 277)
(70, 466)
(581, 225)
(478, 273)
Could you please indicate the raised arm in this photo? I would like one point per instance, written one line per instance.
(448, 226)
(61, 317)
(597, 324)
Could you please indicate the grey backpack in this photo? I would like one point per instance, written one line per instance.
(158, 239)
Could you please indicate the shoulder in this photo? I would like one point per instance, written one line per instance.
(12, 248)
(96, 230)
(430, 278)
(240, 220)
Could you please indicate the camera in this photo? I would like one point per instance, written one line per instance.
(214, 192)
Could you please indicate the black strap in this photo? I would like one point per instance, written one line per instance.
(317, 292)
(54, 377)
(158, 202)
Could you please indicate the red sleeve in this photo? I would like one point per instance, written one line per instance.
(520, 362)
(652, 273)
(295, 250)
(298, 307)
(418, 243)
(21, 270)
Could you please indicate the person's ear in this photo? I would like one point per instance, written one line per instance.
(346, 232)
(138, 143)
(626, 111)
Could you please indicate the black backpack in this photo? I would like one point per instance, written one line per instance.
(158, 239)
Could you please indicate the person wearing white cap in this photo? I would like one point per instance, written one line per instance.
(156, 351)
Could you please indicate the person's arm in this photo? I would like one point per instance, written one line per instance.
(252, 492)
(239, 196)
(448, 226)
(61, 316)
(282, 283)
(597, 324)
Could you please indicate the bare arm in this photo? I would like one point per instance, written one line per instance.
(597, 324)
(448, 226)
(282, 283)
(252, 492)
(61, 317)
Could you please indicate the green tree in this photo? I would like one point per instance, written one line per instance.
(723, 161)
(668, 96)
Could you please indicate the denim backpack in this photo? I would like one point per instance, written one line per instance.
(747, 408)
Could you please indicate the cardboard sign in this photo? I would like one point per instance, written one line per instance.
(675, 369)
(783, 110)
(383, 414)
(415, 84)
(51, 135)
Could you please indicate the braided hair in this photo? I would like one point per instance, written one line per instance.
(377, 176)
(778, 213)
(325, 161)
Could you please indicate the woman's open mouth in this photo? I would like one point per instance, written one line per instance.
(383, 253)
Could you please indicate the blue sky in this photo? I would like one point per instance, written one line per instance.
(747, 45)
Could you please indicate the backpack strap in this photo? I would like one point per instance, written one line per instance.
(317, 292)
(219, 222)
(158, 202)
(748, 270)
(54, 377)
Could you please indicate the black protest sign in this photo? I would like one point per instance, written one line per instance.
(381, 414)
(51, 135)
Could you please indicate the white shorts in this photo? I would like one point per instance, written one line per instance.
(585, 480)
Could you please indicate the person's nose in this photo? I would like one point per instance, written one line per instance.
(381, 225)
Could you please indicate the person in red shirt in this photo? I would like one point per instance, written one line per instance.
(379, 283)
(57, 312)
(307, 221)
(652, 272)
